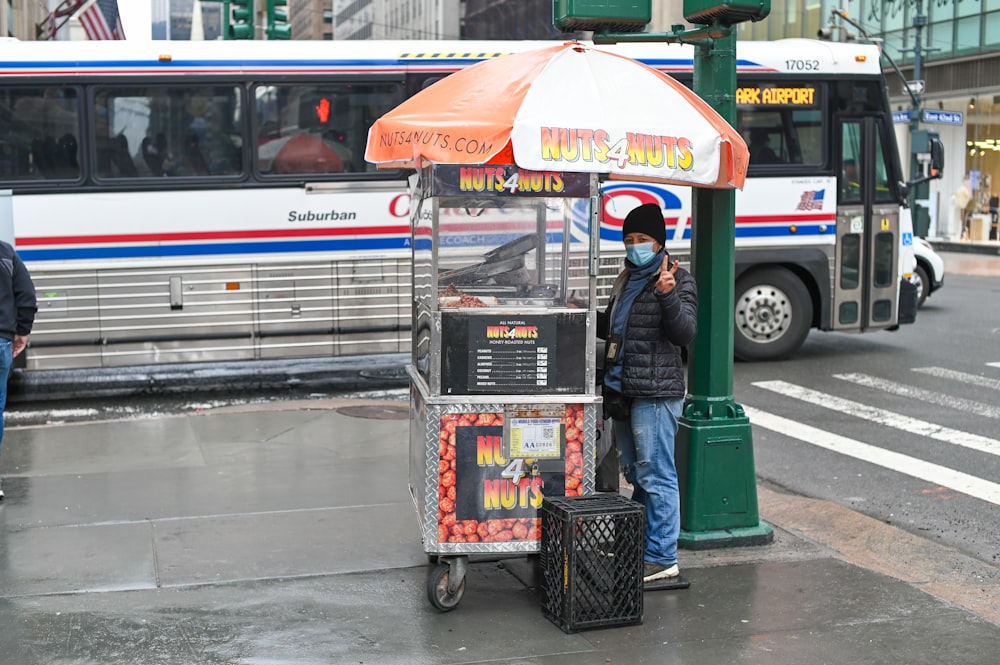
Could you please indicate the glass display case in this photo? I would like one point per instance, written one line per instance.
(503, 296)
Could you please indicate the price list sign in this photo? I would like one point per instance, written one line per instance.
(514, 355)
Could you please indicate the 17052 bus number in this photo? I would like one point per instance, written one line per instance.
(802, 65)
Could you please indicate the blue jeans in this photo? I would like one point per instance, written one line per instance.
(6, 358)
(646, 446)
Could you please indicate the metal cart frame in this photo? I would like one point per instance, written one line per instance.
(503, 402)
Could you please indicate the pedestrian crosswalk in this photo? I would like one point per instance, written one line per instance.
(963, 377)
(928, 396)
(883, 416)
(911, 466)
(869, 451)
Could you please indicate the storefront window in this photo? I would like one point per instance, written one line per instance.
(967, 7)
(884, 15)
(968, 38)
(954, 26)
(992, 21)
(895, 45)
(793, 19)
(777, 19)
(942, 35)
(815, 18)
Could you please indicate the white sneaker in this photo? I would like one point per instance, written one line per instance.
(654, 572)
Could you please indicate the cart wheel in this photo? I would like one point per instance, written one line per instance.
(437, 589)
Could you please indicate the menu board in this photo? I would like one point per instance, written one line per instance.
(511, 354)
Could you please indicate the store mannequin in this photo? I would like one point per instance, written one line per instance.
(961, 199)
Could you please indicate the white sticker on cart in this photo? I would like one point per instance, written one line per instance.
(535, 437)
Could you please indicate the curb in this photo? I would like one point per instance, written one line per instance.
(341, 374)
(965, 247)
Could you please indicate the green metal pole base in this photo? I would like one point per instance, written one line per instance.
(751, 536)
(717, 480)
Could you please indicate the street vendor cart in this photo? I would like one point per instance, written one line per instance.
(503, 410)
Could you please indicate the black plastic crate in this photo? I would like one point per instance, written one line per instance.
(591, 561)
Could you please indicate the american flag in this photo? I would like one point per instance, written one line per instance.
(812, 200)
(100, 19)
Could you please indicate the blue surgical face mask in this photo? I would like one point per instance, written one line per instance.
(640, 254)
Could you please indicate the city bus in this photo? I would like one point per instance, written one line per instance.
(209, 201)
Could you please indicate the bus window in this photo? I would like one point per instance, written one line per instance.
(39, 130)
(760, 147)
(782, 124)
(883, 254)
(850, 261)
(857, 97)
(884, 274)
(850, 154)
(883, 186)
(317, 129)
(783, 137)
(165, 131)
(808, 132)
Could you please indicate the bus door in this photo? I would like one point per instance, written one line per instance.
(867, 255)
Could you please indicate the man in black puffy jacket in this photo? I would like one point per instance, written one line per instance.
(17, 314)
(651, 315)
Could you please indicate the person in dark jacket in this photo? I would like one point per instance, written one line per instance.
(651, 315)
(17, 315)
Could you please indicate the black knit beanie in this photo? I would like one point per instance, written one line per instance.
(648, 219)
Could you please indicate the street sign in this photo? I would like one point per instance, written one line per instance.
(942, 117)
(900, 117)
(915, 87)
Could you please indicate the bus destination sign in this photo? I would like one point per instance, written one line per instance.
(799, 95)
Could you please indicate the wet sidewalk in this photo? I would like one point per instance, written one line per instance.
(285, 534)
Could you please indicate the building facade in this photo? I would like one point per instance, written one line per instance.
(21, 18)
(509, 19)
(397, 19)
(311, 19)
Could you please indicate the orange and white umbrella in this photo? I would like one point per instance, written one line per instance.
(568, 107)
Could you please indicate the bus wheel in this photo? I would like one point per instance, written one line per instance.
(773, 314)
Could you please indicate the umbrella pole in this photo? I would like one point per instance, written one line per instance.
(714, 447)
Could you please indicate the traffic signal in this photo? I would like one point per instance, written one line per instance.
(607, 15)
(827, 34)
(241, 20)
(937, 157)
(277, 20)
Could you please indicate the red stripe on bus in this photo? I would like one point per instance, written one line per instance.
(166, 71)
(765, 219)
(211, 235)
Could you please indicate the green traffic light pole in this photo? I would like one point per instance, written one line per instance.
(714, 448)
